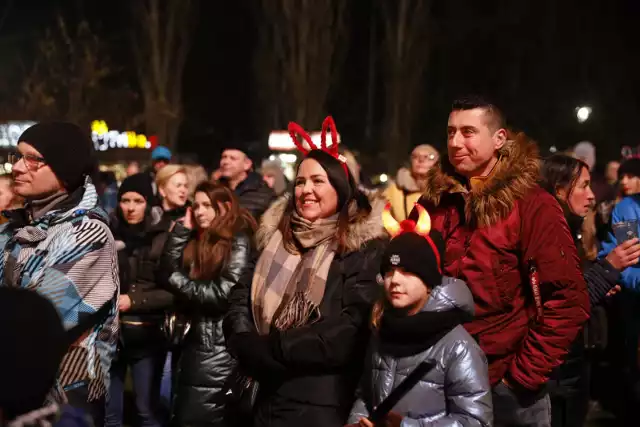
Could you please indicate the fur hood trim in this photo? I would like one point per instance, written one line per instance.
(405, 181)
(514, 175)
(361, 232)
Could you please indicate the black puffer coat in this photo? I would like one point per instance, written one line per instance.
(139, 250)
(205, 364)
(255, 195)
(308, 375)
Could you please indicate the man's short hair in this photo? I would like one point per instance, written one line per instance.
(471, 102)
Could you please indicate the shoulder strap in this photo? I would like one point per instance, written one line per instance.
(88, 322)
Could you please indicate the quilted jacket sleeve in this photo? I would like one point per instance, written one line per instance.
(212, 295)
(547, 241)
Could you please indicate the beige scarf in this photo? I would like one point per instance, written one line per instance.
(288, 286)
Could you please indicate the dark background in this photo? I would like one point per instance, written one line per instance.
(538, 59)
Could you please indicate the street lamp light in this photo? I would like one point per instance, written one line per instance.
(583, 113)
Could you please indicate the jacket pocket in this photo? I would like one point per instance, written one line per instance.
(506, 280)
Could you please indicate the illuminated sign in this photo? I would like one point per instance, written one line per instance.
(281, 141)
(104, 139)
(10, 132)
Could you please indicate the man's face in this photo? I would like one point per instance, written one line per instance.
(159, 164)
(233, 164)
(33, 178)
(472, 141)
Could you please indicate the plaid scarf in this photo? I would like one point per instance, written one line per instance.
(287, 286)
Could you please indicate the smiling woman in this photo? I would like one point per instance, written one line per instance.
(299, 325)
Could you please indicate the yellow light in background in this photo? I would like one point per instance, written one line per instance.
(99, 127)
(141, 141)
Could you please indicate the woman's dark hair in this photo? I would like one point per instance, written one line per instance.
(205, 256)
(342, 181)
(560, 171)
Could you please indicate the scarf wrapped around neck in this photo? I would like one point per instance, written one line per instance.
(289, 284)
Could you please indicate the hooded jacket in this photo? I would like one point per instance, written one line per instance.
(455, 392)
(320, 363)
(69, 256)
(493, 232)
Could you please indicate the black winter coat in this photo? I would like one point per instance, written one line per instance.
(308, 375)
(205, 364)
(255, 195)
(139, 251)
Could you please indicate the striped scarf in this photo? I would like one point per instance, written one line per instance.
(287, 286)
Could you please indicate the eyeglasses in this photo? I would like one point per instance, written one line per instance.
(32, 162)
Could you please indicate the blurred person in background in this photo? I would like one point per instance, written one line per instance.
(196, 174)
(173, 188)
(409, 185)
(629, 177)
(204, 258)
(140, 231)
(611, 172)
(9, 200)
(160, 157)
(215, 175)
(273, 175)
(133, 168)
(568, 180)
(236, 169)
(107, 187)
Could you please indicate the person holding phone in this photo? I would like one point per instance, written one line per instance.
(205, 256)
(418, 319)
(569, 181)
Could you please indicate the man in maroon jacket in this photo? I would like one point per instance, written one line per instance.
(503, 235)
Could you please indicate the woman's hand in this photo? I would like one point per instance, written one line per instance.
(124, 303)
(625, 254)
(187, 221)
(393, 419)
(614, 291)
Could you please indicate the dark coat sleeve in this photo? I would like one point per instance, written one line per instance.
(212, 295)
(546, 239)
(242, 338)
(332, 342)
(601, 277)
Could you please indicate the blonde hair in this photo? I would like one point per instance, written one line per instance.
(196, 175)
(164, 175)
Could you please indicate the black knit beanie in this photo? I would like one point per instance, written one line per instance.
(66, 149)
(414, 254)
(34, 343)
(630, 167)
(138, 183)
(340, 180)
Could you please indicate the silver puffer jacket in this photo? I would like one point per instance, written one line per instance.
(455, 393)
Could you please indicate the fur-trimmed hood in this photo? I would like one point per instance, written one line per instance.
(361, 232)
(405, 181)
(514, 175)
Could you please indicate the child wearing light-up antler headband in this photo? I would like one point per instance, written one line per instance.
(419, 320)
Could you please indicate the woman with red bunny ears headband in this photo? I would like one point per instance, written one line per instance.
(300, 327)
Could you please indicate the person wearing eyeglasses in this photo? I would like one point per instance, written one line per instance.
(409, 185)
(60, 246)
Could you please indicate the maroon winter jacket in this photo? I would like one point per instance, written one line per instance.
(491, 233)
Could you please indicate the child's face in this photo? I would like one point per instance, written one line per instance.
(405, 291)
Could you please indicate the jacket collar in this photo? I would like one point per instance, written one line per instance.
(513, 176)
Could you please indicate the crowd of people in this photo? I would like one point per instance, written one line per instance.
(240, 299)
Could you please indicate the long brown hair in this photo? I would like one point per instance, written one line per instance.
(205, 256)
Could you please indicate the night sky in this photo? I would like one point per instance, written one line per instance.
(538, 59)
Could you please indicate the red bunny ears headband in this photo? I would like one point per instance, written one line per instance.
(328, 123)
(421, 227)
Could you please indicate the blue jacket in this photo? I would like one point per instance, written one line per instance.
(628, 209)
(69, 256)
